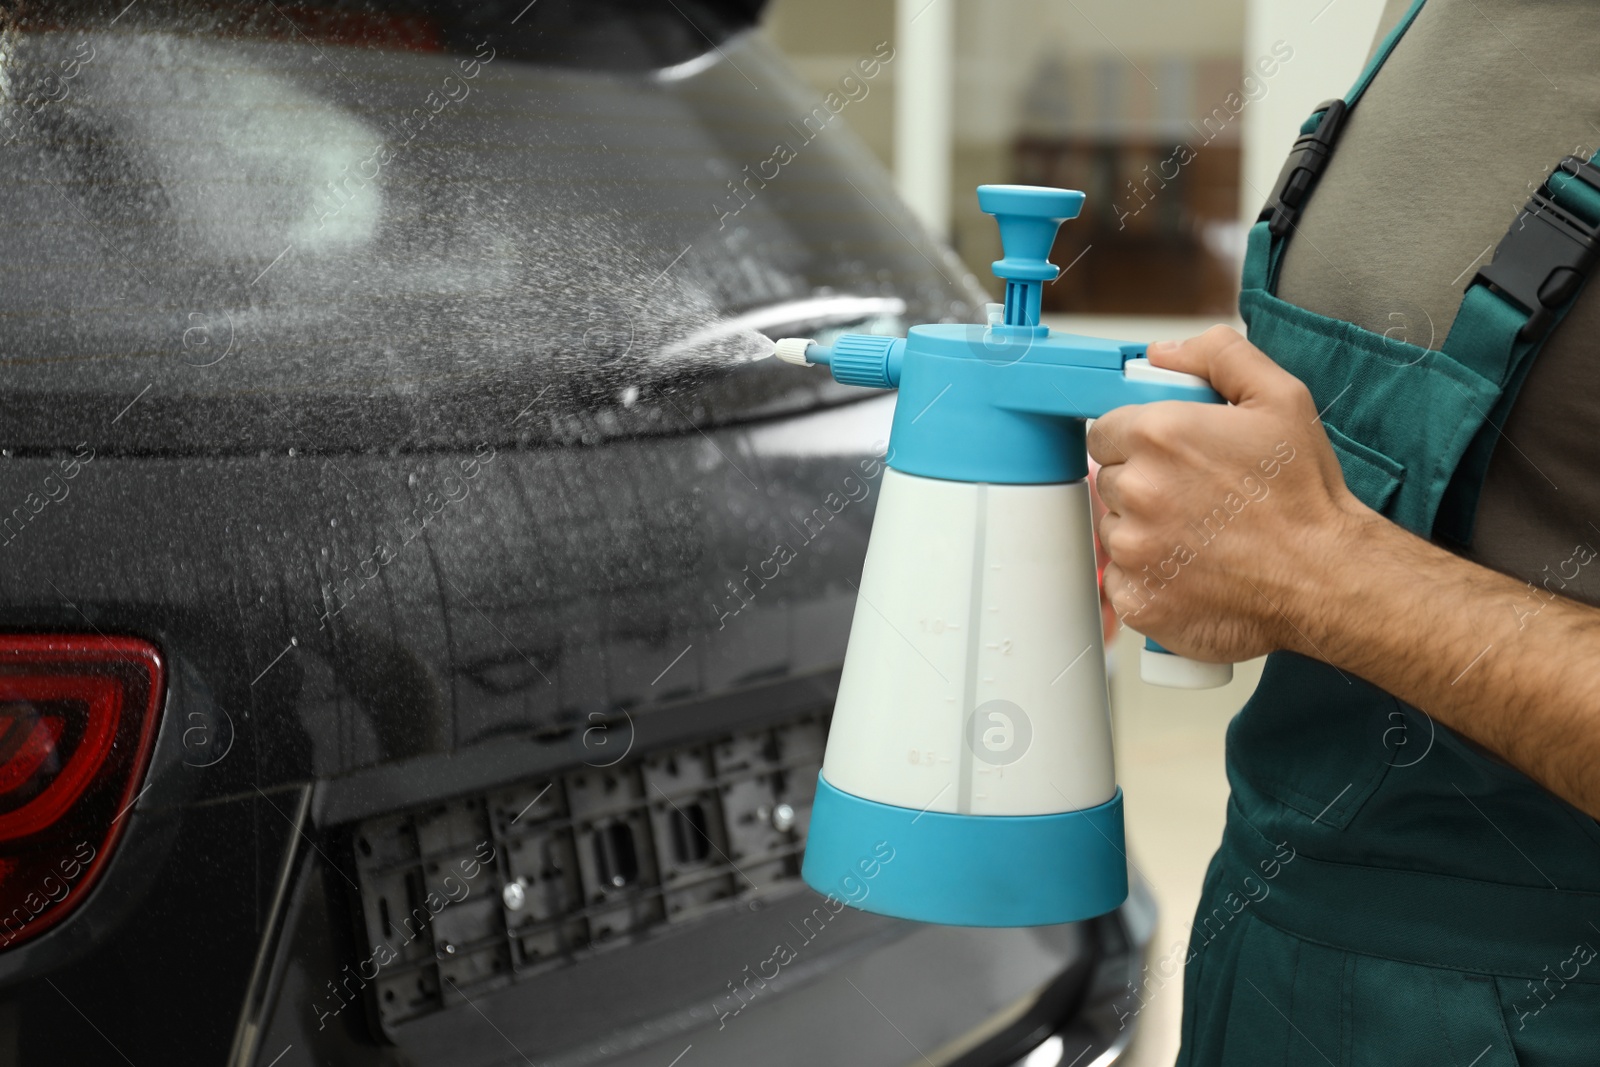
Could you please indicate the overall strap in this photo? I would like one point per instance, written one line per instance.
(1305, 164)
(1510, 307)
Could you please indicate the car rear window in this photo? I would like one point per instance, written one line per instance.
(235, 227)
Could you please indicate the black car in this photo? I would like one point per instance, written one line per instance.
(420, 613)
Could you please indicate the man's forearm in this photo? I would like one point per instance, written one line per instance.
(1513, 667)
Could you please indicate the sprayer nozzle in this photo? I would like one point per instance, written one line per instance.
(793, 350)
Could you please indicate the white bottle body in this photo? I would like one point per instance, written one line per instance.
(974, 682)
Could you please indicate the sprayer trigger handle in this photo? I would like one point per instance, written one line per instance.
(1142, 370)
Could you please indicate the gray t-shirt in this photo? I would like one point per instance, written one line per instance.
(1473, 108)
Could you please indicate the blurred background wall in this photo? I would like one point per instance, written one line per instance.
(1175, 118)
(1173, 115)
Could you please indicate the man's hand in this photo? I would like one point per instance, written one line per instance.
(1218, 517)
(1231, 533)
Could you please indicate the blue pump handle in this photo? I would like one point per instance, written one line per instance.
(1028, 217)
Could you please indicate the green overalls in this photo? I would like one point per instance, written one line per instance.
(1386, 894)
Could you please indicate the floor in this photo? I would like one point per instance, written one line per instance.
(1169, 763)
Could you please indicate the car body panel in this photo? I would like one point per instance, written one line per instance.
(443, 483)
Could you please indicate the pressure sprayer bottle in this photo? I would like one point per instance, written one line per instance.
(968, 775)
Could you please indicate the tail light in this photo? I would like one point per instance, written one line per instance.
(77, 718)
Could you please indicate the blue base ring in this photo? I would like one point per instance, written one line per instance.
(966, 870)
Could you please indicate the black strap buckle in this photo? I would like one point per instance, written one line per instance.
(1547, 253)
(1301, 170)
